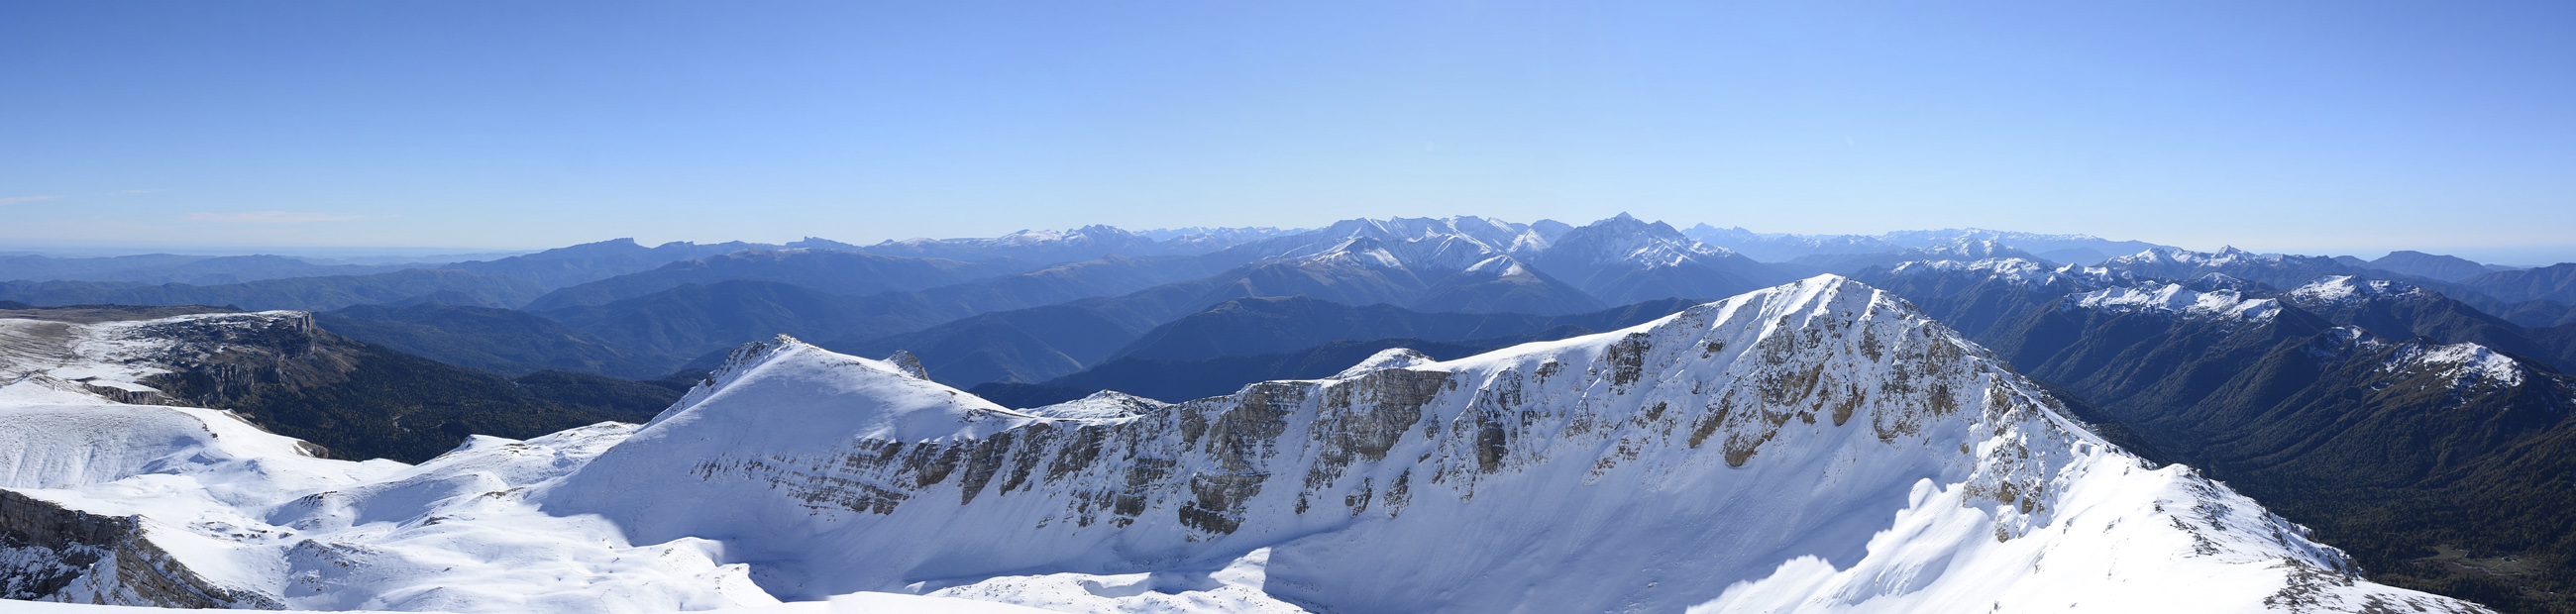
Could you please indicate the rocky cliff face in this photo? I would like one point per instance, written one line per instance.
(218, 362)
(49, 553)
(210, 359)
(1750, 453)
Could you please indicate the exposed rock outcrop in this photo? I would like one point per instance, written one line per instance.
(49, 553)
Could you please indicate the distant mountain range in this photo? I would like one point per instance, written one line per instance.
(1778, 247)
(638, 310)
(301, 293)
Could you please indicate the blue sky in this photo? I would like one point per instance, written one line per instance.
(2313, 127)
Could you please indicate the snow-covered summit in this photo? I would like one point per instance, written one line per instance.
(1425, 244)
(2174, 255)
(806, 393)
(2177, 299)
(2454, 367)
(1390, 358)
(1972, 250)
(2276, 270)
(2017, 271)
(1102, 405)
(2346, 289)
(2466, 363)
(1624, 239)
(1783, 247)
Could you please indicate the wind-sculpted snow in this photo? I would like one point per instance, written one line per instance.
(1812, 446)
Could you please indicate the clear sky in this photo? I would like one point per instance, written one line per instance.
(2312, 127)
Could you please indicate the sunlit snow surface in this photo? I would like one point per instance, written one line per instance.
(2345, 289)
(2012, 270)
(1813, 447)
(2158, 297)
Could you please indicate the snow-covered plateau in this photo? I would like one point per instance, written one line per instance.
(1814, 447)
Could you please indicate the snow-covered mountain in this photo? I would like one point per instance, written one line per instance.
(103, 502)
(1784, 247)
(1614, 261)
(1044, 247)
(1636, 470)
(2177, 300)
(1818, 446)
(1963, 250)
(1429, 245)
(2069, 248)
(1432, 264)
(1225, 235)
(1625, 260)
(2401, 310)
(2277, 270)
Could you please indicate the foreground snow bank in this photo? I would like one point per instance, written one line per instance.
(186, 506)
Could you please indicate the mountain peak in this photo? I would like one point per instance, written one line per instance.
(1448, 486)
(797, 387)
(2178, 300)
(1390, 358)
(2337, 289)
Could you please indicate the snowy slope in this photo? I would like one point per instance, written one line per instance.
(157, 505)
(1816, 446)
(240, 509)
